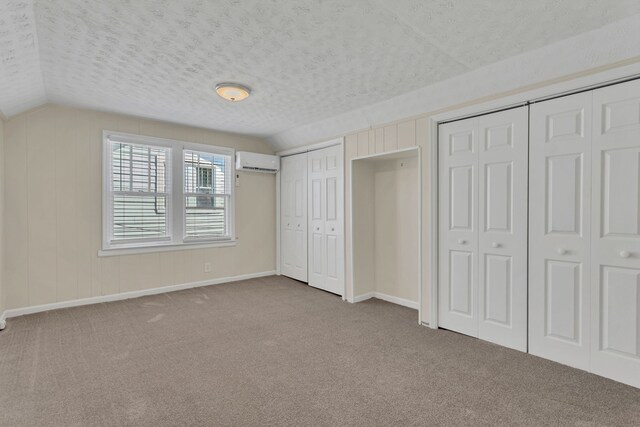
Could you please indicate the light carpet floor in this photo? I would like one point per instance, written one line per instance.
(273, 351)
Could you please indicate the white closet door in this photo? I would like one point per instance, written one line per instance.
(326, 224)
(458, 226)
(559, 229)
(503, 143)
(615, 236)
(293, 213)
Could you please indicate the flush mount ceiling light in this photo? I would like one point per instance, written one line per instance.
(232, 91)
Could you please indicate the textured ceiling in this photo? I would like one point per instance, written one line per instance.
(21, 85)
(306, 60)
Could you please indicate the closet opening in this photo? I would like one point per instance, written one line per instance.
(386, 227)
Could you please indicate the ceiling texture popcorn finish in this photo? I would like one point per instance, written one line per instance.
(306, 60)
(21, 85)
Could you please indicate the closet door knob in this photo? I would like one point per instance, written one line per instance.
(333, 229)
(317, 228)
(496, 244)
(562, 251)
(625, 254)
(462, 242)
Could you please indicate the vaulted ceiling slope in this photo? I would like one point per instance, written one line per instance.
(306, 60)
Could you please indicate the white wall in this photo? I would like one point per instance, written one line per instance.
(53, 211)
(386, 227)
(396, 228)
(363, 229)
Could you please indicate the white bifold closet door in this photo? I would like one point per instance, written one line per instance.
(483, 227)
(585, 231)
(326, 219)
(560, 218)
(458, 234)
(615, 233)
(293, 216)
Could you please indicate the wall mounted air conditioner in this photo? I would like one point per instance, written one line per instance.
(254, 162)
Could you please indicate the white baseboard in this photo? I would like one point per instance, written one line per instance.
(388, 298)
(364, 297)
(125, 295)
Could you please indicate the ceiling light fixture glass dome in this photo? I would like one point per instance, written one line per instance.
(233, 92)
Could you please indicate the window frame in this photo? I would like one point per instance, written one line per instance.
(176, 197)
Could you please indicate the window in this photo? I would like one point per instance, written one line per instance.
(140, 193)
(162, 193)
(206, 194)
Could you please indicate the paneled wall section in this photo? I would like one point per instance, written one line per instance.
(53, 212)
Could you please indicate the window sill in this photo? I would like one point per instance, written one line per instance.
(166, 248)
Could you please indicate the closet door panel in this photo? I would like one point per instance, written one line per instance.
(334, 222)
(563, 286)
(502, 242)
(615, 249)
(461, 194)
(498, 293)
(326, 219)
(300, 218)
(460, 292)
(317, 261)
(563, 195)
(293, 213)
(498, 202)
(559, 229)
(458, 226)
(332, 257)
(287, 233)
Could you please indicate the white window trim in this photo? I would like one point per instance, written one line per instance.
(175, 215)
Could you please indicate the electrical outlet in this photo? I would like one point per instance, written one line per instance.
(207, 267)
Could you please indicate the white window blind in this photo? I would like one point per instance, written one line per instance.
(207, 191)
(160, 192)
(140, 192)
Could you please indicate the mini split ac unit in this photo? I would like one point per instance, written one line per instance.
(254, 162)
